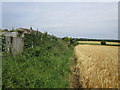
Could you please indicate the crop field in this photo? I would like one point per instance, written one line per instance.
(97, 65)
(98, 42)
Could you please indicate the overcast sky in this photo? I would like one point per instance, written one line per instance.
(73, 19)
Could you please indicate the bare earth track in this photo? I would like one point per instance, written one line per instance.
(97, 66)
(75, 75)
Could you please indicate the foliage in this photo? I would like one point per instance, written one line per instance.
(67, 39)
(19, 33)
(103, 42)
(5, 30)
(70, 41)
(74, 42)
(85, 39)
(45, 63)
(2, 40)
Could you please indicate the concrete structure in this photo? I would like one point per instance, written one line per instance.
(13, 43)
(10, 34)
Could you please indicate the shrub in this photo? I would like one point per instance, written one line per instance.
(67, 39)
(74, 42)
(43, 64)
(103, 42)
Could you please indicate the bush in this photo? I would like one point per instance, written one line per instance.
(67, 39)
(45, 63)
(103, 42)
(74, 42)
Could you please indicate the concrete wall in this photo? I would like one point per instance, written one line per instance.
(17, 45)
(8, 34)
(14, 45)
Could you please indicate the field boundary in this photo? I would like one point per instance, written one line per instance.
(75, 77)
(97, 44)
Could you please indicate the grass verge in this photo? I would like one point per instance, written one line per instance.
(45, 64)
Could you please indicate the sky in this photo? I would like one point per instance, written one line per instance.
(0, 14)
(73, 19)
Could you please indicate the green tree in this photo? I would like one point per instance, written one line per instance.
(103, 42)
(74, 42)
(67, 39)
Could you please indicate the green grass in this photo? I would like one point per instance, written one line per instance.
(45, 65)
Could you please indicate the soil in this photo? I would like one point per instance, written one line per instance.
(75, 77)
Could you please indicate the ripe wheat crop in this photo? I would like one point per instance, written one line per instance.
(98, 42)
(98, 66)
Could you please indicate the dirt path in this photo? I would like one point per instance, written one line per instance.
(75, 77)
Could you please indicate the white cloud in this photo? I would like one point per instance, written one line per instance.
(64, 18)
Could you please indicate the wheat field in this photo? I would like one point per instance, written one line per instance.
(98, 66)
(98, 42)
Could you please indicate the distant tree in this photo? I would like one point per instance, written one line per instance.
(67, 39)
(46, 33)
(103, 42)
(31, 28)
(74, 42)
(5, 30)
(37, 32)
